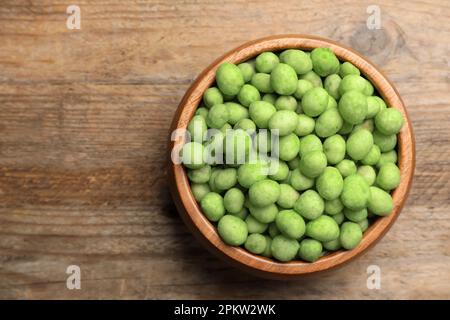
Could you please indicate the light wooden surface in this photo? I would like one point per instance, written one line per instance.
(84, 118)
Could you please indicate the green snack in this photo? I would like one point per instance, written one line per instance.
(334, 148)
(264, 192)
(385, 143)
(261, 81)
(388, 177)
(363, 224)
(285, 121)
(200, 175)
(332, 245)
(339, 217)
(309, 205)
(236, 112)
(312, 77)
(212, 206)
(212, 178)
(352, 82)
(283, 248)
(302, 87)
(202, 111)
(299, 181)
(346, 167)
(281, 172)
(313, 163)
(367, 124)
(355, 215)
(373, 106)
(192, 155)
(267, 251)
(217, 116)
(331, 84)
(273, 230)
(245, 124)
(310, 250)
(297, 59)
(289, 147)
(229, 79)
(233, 200)
(248, 94)
(323, 229)
(355, 194)
(380, 202)
(270, 97)
(389, 121)
(197, 128)
(324, 61)
(247, 71)
(351, 235)
(284, 79)
(225, 179)
(332, 103)
(249, 173)
(305, 125)
(372, 157)
(266, 62)
(254, 226)
(200, 190)
(232, 230)
(348, 68)
(256, 243)
(330, 183)
(310, 143)
(212, 96)
(359, 143)
(261, 112)
(288, 196)
(264, 214)
(353, 107)
(328, 123)
(368, 173)
(333, 207)
(315, 101)
(386, 157)
(290, 224)
(286, 103)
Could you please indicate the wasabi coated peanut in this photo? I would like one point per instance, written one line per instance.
(249, 173)
(273, 230)
(254, 226)
(290, 224)
(331, 84)
(283, 79)
(200, 175)
(333, 207)
(332, 103)
(279, 171)
(385, 157)
(346, 167)
(200, 190)
(372, 157)
(247, 71)
(297, 59)
(355, 215)
(353, 107)
(261, 112)
(233, 200)
(332, 245)
(324, 61)
(350, 236)
(389, 121)
(289, 147)
(385, 143)
(313, 163)
(256, 243)
(309, 205)
(192, 155)
(229, 79)
(232, 230)
(266, 62)
(352, 82)
(197, 128)
(212, 178)
(261, 81)
(323, 229)
(212, 206)
(246, 125)
(315, 101)
(305, 125)
(264, 214)
(286, 103)
(359, 143)
(310, 250)
(217, 116)
(388, 177)
(264, 192)
(267, 251)
(283, 248)
(373, 107)
(302, 87)
(225, 179)
(380, 202)
(328, 123)
(270, 97)
(330, 183)
(339, 217)
(285, 121)
(368, 173)
(368, 90)
(288, 196)
(212, 96)
(299, 181)
(312, 77)
(355, 194)
(248, 94)
(310, 143)
(334, 148)
(348, 68)
(236, 112)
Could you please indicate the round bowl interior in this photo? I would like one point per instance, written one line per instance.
(206, 232)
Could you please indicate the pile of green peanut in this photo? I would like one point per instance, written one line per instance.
(335, 159)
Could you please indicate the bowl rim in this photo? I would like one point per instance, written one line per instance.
(206, 232)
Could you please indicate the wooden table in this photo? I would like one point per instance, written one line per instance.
(84, 117)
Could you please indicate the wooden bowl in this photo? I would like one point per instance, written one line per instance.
(206, 232)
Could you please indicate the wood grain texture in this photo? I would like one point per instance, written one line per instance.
(84, 118)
